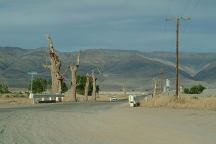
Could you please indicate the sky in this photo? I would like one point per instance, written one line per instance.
(108, 24)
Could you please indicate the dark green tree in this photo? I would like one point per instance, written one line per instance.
(97, 88)
(81, 79)
(186, 90)
(197, 89)
(39, 85)
(4, 88)
(64, 87)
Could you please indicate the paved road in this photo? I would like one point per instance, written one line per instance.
(104, 123)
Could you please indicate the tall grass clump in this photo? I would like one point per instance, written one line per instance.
(181, 102)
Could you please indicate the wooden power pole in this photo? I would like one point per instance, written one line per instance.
(177, 57)
(177, 19)
(161, 80)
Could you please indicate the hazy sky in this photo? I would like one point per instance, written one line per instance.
(110, 24)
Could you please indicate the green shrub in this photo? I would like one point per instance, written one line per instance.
(64, 87)
(18, 95)
(39, 85)
(197, 89)
(186, 90)
(4, 88)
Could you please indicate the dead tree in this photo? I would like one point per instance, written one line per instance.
(94, 86)
(54, 68)
(74, 69)
(87, 87)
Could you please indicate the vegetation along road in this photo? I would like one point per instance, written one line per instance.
(105, 123)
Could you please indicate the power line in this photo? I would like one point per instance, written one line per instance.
(189, 12)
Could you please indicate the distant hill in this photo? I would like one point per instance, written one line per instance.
(193, 63)
(114, 68)
(208, 73)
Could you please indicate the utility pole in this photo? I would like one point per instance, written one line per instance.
(177, 19)
(161, 73)
(32, 77)
(124, 89)
(154, 88)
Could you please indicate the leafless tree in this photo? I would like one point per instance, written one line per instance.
(54, 68)
(94, 86)
(87, 86)
(74, 69)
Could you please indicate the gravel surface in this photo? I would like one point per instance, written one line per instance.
(105, 123)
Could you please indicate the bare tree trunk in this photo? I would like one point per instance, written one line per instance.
(74, 77)
(94, 86)
(86, 87)
(54, 68)
(74, 82)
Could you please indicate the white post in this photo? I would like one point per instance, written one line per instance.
(32, 77)
(132, 101)
(31, 95)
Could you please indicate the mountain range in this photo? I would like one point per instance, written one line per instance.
(115, 69)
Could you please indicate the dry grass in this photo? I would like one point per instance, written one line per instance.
(183, 102)
(15, 98)
(15, 101)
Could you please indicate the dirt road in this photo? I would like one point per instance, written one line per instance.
(105, 123)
